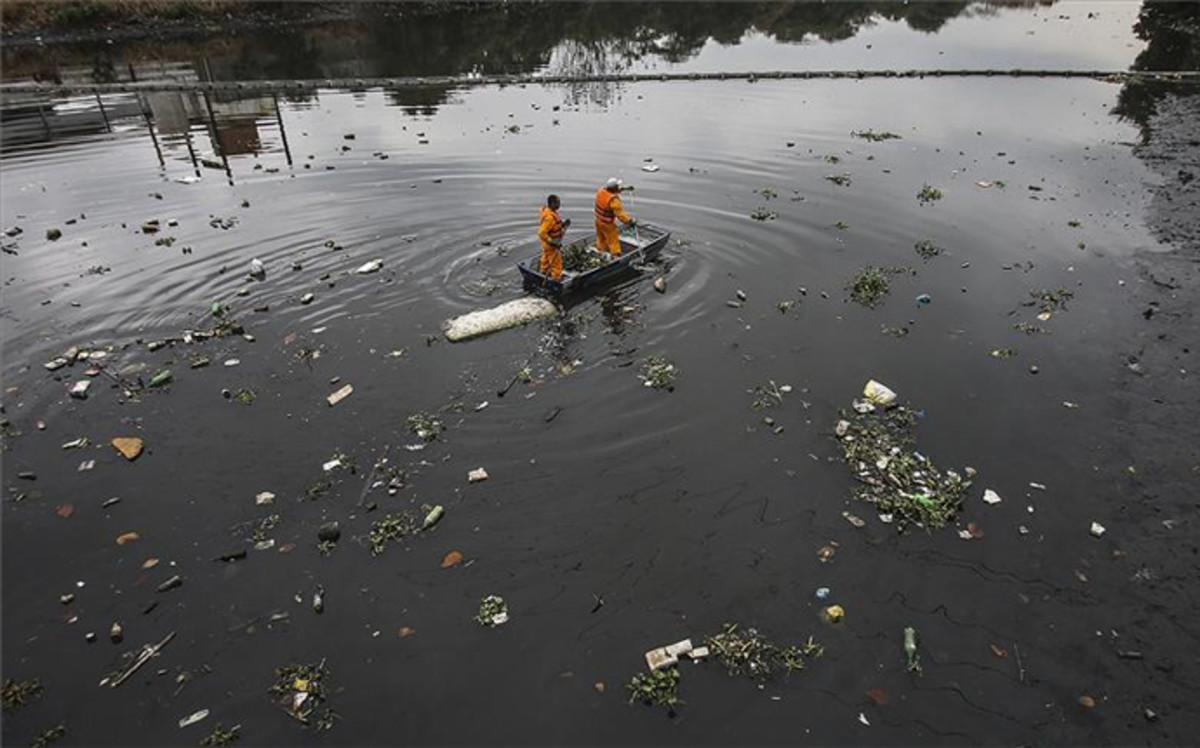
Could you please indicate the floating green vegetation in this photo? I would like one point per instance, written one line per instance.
(929, 193)
(767, 193)
(578, 257)
(656, 688)
(1050, 300)
(303, 692)
(903, 484)
(768, 395)
(927, 249)
(896, 332)
(245, 396)
(870, 284)
(785, 306)
(832, 159)
(17, 693)
(425, 426)
(493, 611)
(841, 225)
(317, 489)
(658, 372)
(1074, 224)
(1003, 353)
(393, 527)
(873, 136)
(326, 547)
(746, 652)
(46, 737)
(762, 214)
(264, 526)
(1030, 329)
(841, 180)
(220, 736)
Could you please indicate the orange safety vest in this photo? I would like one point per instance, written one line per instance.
(604, 211)
(557, 229)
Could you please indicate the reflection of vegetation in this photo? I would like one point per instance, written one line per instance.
(348, 40)
(1172, 35)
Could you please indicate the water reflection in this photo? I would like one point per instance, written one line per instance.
(591, 38)
(1172, 35)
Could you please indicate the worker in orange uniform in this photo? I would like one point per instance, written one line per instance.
(551, 232)
(608, 211)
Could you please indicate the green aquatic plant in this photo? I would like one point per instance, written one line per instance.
(303, 691)
(658, 372)
(425, 426)
(904, 485)
(927, 249)
(929, 193)
(746, 652)
(656, 688)
(873, 136)
(869, 285)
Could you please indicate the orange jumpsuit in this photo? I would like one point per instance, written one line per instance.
(551, 233)
(608, 210)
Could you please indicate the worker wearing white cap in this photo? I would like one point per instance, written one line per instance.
(608, 211)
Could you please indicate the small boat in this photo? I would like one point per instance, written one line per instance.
(637, 246)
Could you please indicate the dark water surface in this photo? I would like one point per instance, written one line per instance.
(681, 509)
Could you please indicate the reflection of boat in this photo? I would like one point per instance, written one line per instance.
(636, 247)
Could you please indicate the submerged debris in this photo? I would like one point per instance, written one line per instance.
(878, 446)
(762, 214)
(658, 372)
(874, 137)
(17, 693)
(929, 193)
(927, 249)
(425, 426)
(656, 688)
(303, 693)
(1050, 300)
(221, 737)
(395, 526)
(493, 611)
(870, 285)
(746, 652)
(48, 736)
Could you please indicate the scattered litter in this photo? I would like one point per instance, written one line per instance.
(452, 559)
(924, 298)
(79, 390)
(477, 475)
(232, 361)
(1087, 702)
(854, 519)
(371, 267)
(746, 652)
(170, 584)
(87, 465)
(264, 498)
(433, 517)
(1038, 486)
(650, 167)
(301, 691)
(991, 496)
(910, 649)
(878, 447)
(130, 447)
(863, 718)
(660, 284)
(1097, 529)
(193, 718)
(340, 395)
(823, 593)
(834, 614)
(878, 394)
(658, 372)
(128, 537)
(493, 611)
(307, 298)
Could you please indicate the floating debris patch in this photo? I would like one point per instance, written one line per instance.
(904, 485)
